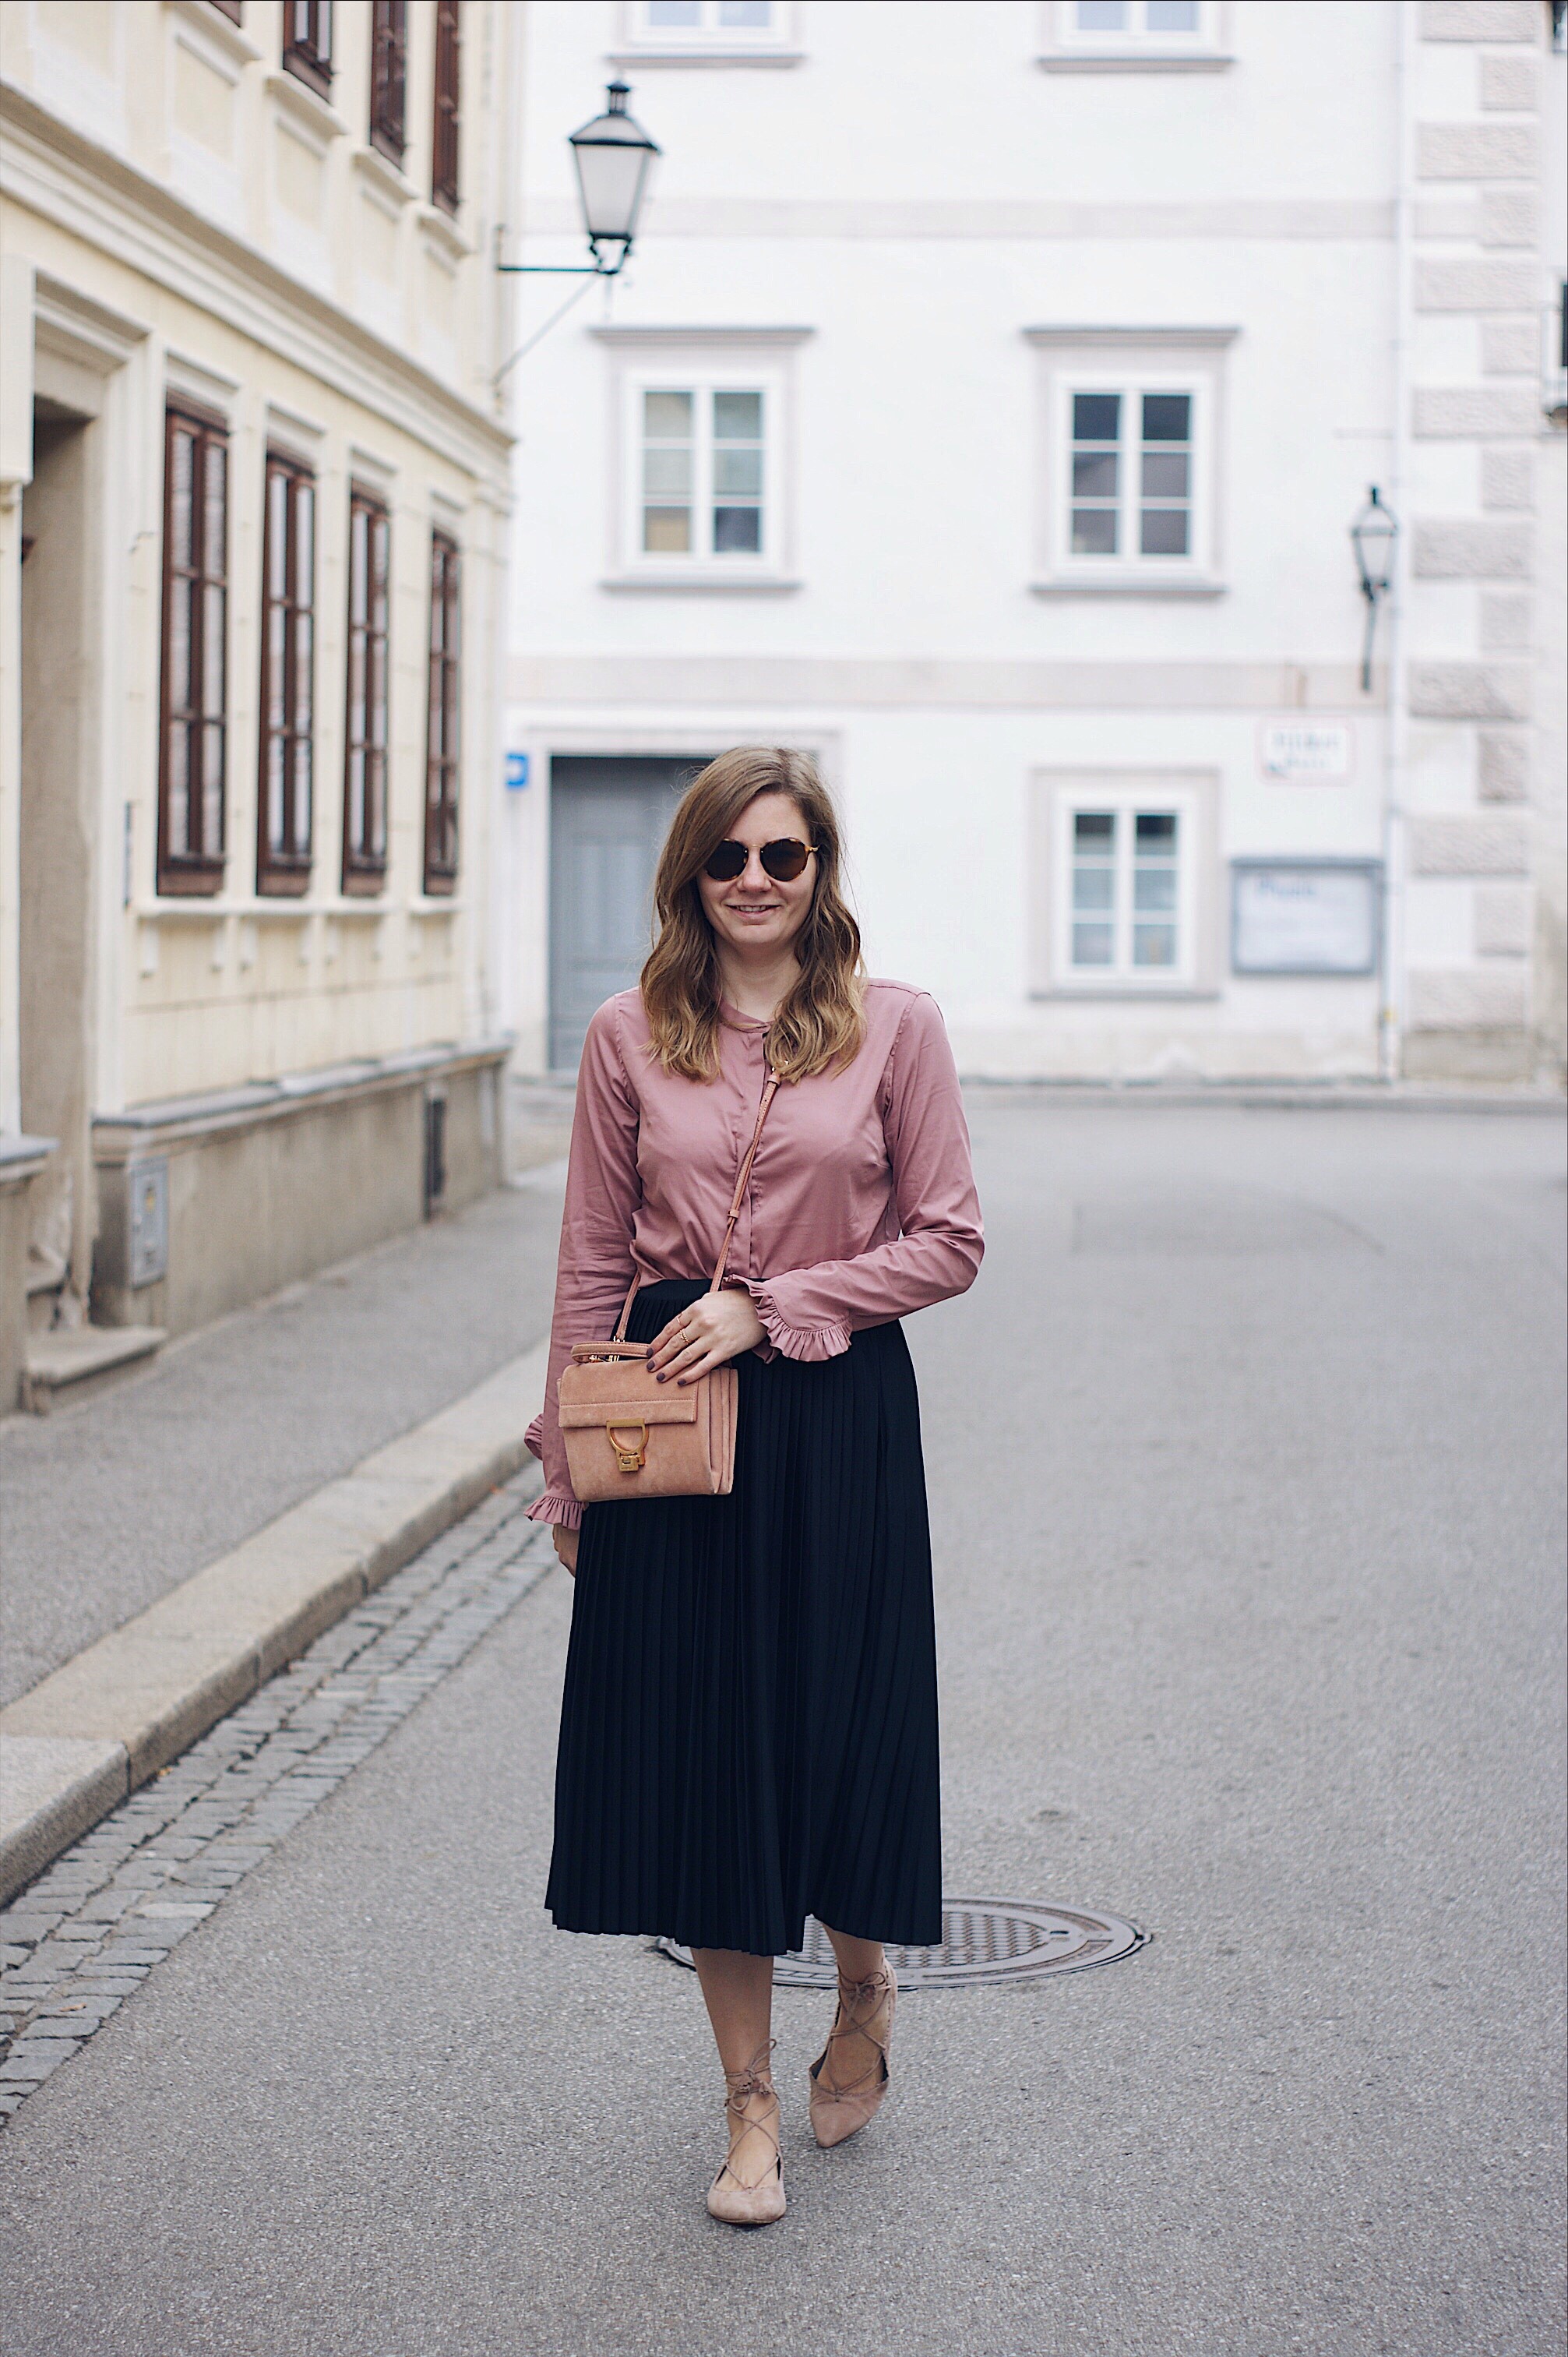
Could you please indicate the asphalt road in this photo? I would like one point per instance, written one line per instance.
(1245, 1459)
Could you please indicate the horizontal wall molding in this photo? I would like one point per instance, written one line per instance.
(148, 1128)
(825, 681)
(749, 337)
(988, 219)
(1121, 340)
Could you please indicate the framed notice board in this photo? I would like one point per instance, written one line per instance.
(1304, 916)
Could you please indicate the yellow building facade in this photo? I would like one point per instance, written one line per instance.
(253, 491)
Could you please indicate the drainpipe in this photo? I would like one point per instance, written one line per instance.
(1396, 728)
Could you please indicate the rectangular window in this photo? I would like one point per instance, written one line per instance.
(308, 43)
(1131, 493)
(703, 456)
(288, 673)
(1125, 892)
(1135, 21)
(389, 77)
(193, 750)
(444, 167)
(365, 733)
(707, 23)
(442, 737)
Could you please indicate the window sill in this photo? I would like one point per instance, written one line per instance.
(385, 178)
(270, 910)
(228, 39)
(707, 57)
(1105, 992)
(316, 118)
(720, 585)
(1123, 61)
(442, 232)
(1070, 585)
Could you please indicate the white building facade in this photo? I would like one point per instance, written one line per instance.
(985, 405)
(255, 490)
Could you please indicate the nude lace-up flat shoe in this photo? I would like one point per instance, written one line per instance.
(730, 2197)
(840, 2112)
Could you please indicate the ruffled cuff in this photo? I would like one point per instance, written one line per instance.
(534, 1438)
(556, 1506)
(794, 1341)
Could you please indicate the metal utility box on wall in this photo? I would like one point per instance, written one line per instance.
(147, 1217)
(132, 1250)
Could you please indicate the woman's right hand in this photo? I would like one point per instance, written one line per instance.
(566, 1540)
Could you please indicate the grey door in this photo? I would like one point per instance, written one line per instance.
(607, 822)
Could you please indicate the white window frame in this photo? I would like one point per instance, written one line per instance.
(702, 361)
(1131, 386)
(1067, 46)
(1058, 798)
(708, 42)
(1129, 361)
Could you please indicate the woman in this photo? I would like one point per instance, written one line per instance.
(749, 1726)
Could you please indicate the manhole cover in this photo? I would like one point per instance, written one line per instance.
(985, 1942)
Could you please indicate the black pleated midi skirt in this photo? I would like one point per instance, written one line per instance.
(748, 1730)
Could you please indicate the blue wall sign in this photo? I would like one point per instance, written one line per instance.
(516, 770)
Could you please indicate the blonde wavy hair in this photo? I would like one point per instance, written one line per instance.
(822, 1021)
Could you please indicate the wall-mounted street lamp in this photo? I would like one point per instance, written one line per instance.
(612, 156)
(1372, 536)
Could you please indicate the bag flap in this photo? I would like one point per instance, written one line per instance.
(576, 1413)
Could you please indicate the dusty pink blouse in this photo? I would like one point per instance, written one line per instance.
(861, 1204)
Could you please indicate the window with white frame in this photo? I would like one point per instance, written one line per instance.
(707, 24)
(1124, 890)
(1133, 27)
(701, 465)
(1129, 465)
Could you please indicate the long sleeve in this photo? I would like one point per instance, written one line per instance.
(595, 1268)
(810, 1313)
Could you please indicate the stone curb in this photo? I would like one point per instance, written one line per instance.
(79, 1741)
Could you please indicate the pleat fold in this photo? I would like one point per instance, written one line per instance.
(748, 1730)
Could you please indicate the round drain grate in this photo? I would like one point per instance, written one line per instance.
(985, 1941)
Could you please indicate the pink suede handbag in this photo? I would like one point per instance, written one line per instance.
(627, 1434)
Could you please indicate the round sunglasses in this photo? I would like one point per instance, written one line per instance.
(783, 860)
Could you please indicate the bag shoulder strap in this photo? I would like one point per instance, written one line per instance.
(769, 1088)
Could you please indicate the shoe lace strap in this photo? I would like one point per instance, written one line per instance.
(859, 2003)
(740, 2086)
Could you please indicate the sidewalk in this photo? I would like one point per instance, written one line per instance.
(165, 1546)
(108, 1506)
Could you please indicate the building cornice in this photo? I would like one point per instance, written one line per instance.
(749, 337)
(53, 170)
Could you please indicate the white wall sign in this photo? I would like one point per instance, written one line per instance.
(1303, 916)
(1305, 748)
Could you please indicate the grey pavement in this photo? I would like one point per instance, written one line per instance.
(1246, 1470)
(105, 1506)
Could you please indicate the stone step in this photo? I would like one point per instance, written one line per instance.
(72, 1361)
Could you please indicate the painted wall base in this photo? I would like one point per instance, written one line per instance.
(267, 1185)
(1478, 1055)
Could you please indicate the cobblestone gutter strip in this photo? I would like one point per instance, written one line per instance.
(88, 1931)
(99, 1725)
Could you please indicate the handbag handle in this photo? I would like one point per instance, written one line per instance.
(769, 1086)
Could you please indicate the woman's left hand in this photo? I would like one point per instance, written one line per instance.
(701, 1337)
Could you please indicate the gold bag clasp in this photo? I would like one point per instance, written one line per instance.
(628, 1458)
